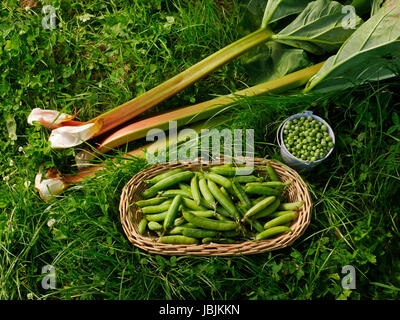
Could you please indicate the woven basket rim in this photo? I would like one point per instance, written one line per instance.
(129, 218)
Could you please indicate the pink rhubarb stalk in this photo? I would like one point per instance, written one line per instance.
(201, 111)
(171, 87)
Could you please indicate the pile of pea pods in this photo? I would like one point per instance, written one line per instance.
(222, 205)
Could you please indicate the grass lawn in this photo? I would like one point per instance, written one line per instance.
(104, 53)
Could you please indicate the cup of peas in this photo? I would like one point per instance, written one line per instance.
(305, 140)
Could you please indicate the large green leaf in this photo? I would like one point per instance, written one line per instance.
(318, 29)
(270, 11)
(273, 60)
(276, 10)
(375, 6)
(372, 53)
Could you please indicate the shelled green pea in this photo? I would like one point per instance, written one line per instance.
(307, 139)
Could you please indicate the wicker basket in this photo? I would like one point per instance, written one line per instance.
(130, 219)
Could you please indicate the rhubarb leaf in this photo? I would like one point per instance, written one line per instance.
(319, 28)
(370, 54)
(278, 9)
(376, 5)
(273, 60)
(262, 12)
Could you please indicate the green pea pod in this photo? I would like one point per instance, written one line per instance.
(259, 199)
(262, 190)
(224, 201)
(191, 204)
(189, 225)
(279, 184)
(272, 232)
(281, 213)
(179, 221)
(209, 224)
(232, 171)
(199, 233)
(230, 234)
(242, 196)
(151, 202)
(272, 174)
(156, 216)
(164, 175)
(185, 187)
(172, 212)
(177, 230)
(218, 179)
(171, 193)
(224, 191)
(154, 226)
(258, 207)
(231, 194)
(157, 209)
(247, 179)
(242, 209)
(205, 214)
(221, 217)
(194, 187)
(256, 225)
(167, 182)
(291, 206)
(177, 239)
(222, 211)
(205, 204)
(142, 225)
(268, 210)
(270, 184)
(278, 221)
(206, 193)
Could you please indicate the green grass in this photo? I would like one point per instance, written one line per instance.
(124, 49)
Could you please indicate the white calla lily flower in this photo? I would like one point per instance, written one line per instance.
(49, 118)
(72, 136)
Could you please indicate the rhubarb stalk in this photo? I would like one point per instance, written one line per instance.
(171, 87)
(204, 110)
